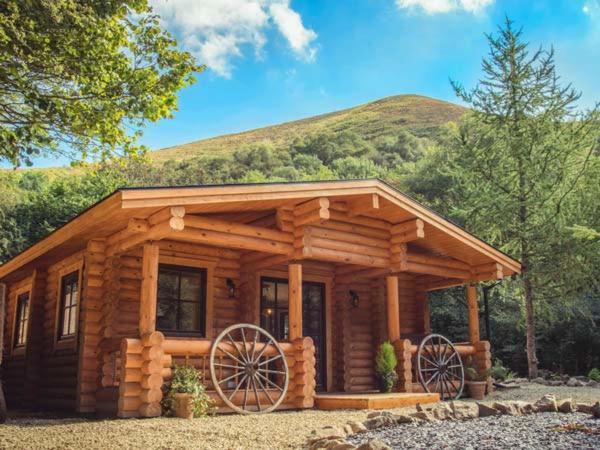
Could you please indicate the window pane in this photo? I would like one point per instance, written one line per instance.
(191, 285)
(168, 283)
(268, 293)
(282, 295)
(73, 320)
(74, 294)
(166, 314)
(189, 316)
(65, 322)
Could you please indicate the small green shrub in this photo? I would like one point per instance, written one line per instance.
(187, 380)
(594, 374)
(501, 373)
(385, 366)
(472, 374)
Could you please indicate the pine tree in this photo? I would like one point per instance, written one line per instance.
(520, 156)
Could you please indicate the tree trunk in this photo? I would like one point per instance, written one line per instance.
(532, 361)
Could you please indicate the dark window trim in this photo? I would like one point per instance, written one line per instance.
(68, 279)
(203, 272)
(21, 323)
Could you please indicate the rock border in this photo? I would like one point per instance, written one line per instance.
(334, 438)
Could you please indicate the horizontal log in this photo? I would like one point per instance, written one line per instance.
(344, 257)
(234, 228)
(234, 241)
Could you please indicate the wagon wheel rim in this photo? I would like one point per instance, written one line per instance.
(255, 368)
(440, 367)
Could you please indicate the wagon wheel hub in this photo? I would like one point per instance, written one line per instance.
(248, 369)
(439, 367)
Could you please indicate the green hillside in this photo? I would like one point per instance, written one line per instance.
(422, 116)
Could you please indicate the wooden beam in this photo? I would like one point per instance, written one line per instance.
(409, 230)
(237, 241)
(155, 233)
(312, 211)
(393, 308)
(363, 205)
(166, 214)
(295, 301)
(149, 289)
(235, 228)
(473, 313)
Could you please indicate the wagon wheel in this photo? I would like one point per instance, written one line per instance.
(440, 367)
(248, 369)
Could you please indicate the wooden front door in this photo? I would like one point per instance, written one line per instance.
(274, 316)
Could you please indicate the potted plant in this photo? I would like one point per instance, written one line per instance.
(186, 395)
(476, 382)
(385, 367)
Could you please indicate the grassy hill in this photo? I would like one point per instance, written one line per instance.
(420, 115)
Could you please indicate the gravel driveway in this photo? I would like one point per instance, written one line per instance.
(282, 430)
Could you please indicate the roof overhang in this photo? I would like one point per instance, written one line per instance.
(113, 213)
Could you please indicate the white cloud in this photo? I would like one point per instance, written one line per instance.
(592, 8)
(217, 30)
(444, 6)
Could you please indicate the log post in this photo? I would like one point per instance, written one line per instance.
(393, 309)
(149, 289)
(473, 314)
(295, 300)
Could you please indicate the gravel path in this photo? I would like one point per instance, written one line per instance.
(504, 432)
(282, 430)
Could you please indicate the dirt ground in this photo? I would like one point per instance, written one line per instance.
(282, 430)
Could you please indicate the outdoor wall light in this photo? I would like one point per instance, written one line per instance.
(354, 298)
(230, 287)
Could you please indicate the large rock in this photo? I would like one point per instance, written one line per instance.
(442, 411)
(325, 433)
(464, 410)
(374, 444)
(539, 380)
(596, 410)
(514, 408)
(574, 382)
(486, 410)
(585, 408)
(566, 406)
(374, 414)
(405, 418)
(546, 404)
(424, 416)
(379, 422)
(593, 383)
(356, 426)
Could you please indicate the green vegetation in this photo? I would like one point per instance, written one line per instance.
(499, 372)
(187, 380)
(56, 96)
(385, 366)
(594, 374)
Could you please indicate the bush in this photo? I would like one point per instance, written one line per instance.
(594, 374)
(472, 374)
(187, 380)
(385, 366)
(501, 373)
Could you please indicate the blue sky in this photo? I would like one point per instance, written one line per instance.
(272, 61)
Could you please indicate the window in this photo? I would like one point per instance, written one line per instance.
(21, 320)
(69, 298)
(181, 300)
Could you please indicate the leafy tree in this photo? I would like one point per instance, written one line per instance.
(519, 159)
(77, 76)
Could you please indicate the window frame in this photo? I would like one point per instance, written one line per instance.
(205, 320)
(67, 342)
(73, 309)
(21, 324)
(14, 349)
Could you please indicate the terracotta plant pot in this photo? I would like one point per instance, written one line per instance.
(184, 406)
(477, 389)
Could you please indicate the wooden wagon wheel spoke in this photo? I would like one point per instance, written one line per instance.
(439, 367)
(237, 388)
(252, 373)
(274, 358)
(269, 381)
(231, 356)
(262, 386)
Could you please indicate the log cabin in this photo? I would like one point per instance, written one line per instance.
(98, 311)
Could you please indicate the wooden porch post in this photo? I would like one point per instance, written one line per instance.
(393, 308)
(473, 314)
(149, 289)
(295, 300)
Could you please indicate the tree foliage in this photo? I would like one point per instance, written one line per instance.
(76, 77)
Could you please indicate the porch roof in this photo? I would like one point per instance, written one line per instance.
(113, 213)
